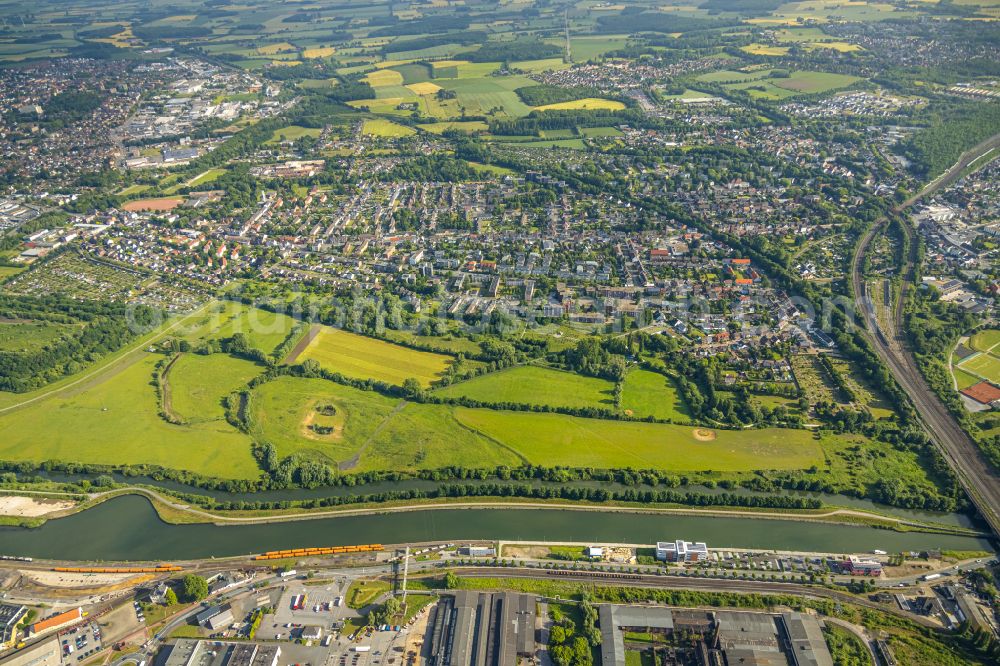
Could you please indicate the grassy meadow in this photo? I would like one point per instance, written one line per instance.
(646, 393)
(538, 386)
(115, 420)
(366, 358)
(197, 384)
(557, 439)
(371, 431)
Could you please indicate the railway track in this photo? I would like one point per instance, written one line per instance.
(974, 472)
(669, 582)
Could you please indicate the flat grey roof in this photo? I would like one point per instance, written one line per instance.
(614, 617)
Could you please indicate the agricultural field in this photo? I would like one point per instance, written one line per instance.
(366, 358)
(765, 49)
(114, 419)
(532, 385)
(469, 126)
(381, 127)
(158, 204)
(293, 133)
(587, 104)
(761, 83)
(557, 439)
(367, 431)
(646, 393)
(195, 386)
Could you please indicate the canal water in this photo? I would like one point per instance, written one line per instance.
(127, 528)
(293, 494)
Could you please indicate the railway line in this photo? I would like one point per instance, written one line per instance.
(974, 472)
(668, 582)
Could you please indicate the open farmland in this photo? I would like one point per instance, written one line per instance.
(536, 386)
(368, 431)
(646, 393)
(114, 420)
(386, 128)
(161, 204)
(366, 358)
(557, 439)
(293, 133)
(197, 384)
(586, 104)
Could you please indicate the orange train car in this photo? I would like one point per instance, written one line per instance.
(160, 569)
(330, 550)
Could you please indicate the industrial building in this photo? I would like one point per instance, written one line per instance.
(56, 622)
(481, 629)
(681, 551)
(861, 566)
(10, 617)
(216, 617)
(45, 653)
(727, 637)
(188, 652)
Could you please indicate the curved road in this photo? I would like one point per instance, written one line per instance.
(974, 472)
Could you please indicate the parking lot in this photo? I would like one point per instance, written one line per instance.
(80, 643)
(322, 605)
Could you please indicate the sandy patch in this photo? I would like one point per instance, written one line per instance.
(705, 435)
(424, 88)
(167, 203)
(67, 579)
(31, 507)
(313, 416)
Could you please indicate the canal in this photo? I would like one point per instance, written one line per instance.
(296, 494)
(128, 528)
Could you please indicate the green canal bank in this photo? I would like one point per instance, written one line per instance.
(128, 528)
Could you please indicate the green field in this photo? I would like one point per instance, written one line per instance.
(586, 104)
(370, 431)
(30, 336)
(532, 385)
(205, 177)
(113, 420)
(386, 128)
(964, 380)
(759, 83)
(450, 343)
(7, 271)
(985, 340)
(366, 358)
(814, 82)
(986, 366)
(646, 393)
(461, 126)
(197, 384)
(264, 329)
(293, 133)
(556, 439)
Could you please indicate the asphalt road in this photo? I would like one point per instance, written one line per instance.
(974, 472)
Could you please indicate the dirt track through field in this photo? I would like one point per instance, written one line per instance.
(302, 344)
